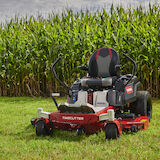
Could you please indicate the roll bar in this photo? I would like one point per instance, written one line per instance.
(55, 74)
(134, 66)
(68, 88)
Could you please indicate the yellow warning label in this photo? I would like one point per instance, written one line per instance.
(143, 120)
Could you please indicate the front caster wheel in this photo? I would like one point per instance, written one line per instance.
(111, 131)
(134, 128)
(80, 131)
(41, 129)
(33, 121)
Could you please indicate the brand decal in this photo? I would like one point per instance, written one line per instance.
(129, 89)
(73, 118)
(101, 103)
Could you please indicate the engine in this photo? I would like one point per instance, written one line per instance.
(80, 96)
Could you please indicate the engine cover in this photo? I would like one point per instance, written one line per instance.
(99, 99)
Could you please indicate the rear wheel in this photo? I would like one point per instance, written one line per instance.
(111, 131)
(143, 104)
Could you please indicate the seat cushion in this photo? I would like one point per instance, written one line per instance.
(91, 82)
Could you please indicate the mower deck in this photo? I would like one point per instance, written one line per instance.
(90, 122)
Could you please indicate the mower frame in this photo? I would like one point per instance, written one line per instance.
(93, 122)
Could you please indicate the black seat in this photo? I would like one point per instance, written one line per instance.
(103, 68)
(103, 63)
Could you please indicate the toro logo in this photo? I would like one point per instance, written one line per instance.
(129, 89)
(73, 118)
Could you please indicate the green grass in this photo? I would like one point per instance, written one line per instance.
(18, 139)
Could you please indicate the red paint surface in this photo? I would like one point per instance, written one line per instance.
(98, 53)
(110, 52)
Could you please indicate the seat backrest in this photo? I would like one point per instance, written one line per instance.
(102, 63)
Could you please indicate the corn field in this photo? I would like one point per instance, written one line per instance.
(29, 46)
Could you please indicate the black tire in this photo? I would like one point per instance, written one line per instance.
(111, 131)
(32, 121)
(41, 129)
(143, 104)
(80, 131)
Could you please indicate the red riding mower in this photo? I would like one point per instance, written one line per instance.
(103, 100)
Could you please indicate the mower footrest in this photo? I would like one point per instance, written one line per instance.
(76, 108)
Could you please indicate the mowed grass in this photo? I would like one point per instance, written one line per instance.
(19, 141)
